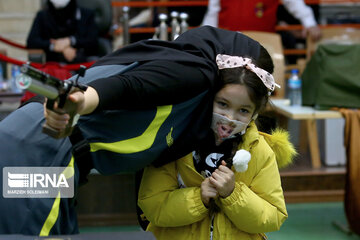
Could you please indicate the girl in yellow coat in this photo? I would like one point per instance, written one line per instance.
(229, 188)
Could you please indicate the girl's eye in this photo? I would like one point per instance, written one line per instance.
(243, 110)
(221, 104)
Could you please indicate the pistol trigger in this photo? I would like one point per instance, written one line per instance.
(62, 100)
(50, 104)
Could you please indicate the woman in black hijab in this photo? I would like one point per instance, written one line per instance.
(165, 73)
(66, 32)
(148, 103)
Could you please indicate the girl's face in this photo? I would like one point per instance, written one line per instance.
(233, 102)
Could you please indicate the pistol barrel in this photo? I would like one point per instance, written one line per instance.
(39, 82)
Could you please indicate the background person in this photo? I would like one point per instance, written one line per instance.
(258, 15)
(66, 32)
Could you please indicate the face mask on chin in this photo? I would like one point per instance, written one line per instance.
(58, 4)
(225, 128)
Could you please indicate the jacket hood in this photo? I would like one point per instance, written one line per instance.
(279, 142)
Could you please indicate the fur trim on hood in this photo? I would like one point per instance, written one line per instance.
(281, 145)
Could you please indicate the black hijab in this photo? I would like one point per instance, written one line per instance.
(197, 47)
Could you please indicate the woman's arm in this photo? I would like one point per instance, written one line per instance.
(87, 101)
(164, 203)
(305, 15)
(148, 85)
(211, 17)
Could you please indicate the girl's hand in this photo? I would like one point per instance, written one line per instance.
(223, 179)
(208, 191)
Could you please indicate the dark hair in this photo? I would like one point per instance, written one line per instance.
(257, 91)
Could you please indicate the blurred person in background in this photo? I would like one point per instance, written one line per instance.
(66, 32)
(255, 15)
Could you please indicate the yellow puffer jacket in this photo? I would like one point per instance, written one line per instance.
(255, 206)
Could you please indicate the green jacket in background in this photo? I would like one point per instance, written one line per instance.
(332, 77)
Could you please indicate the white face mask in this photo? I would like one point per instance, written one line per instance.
(225, 128)
(60, 3)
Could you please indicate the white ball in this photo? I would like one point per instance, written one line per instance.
(241, 160)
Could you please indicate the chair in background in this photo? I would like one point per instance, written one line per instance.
(272, 43)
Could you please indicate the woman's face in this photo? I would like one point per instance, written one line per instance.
(233, 102)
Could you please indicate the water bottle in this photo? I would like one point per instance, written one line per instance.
(2, 82)
(15, 71)
(294, 84)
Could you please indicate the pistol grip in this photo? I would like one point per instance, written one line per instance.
(69, 108)
(57, 134)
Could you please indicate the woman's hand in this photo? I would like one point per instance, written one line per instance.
(223, 179)
(55, 120)
(69, 53)
(208, 191)
(61, 43)
(86, 103)
(314, 33)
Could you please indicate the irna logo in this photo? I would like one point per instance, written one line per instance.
(19, 180)
(38, 182)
